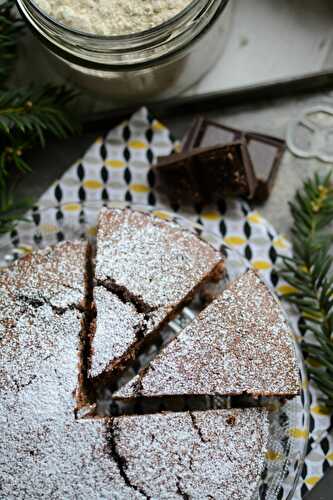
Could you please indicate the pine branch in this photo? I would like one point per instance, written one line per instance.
(27, 116)
(309, 272)
(36, 111)
(12, 150)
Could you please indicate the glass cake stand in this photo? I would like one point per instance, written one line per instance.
(289, 421)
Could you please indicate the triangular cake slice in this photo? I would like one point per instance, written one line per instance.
(152, 262)
(55, 275)
(212, 454)
(240, 344)
(116, 328)
(147, 269)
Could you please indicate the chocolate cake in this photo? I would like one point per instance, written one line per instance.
(215, 454)
(50, 340)
(240, 344)
(47, 452)
(151, 268)
(54, 276)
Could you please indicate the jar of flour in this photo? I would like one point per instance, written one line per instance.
(131, 50)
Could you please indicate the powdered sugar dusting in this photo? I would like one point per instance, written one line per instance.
(54, 275)
(157, 261)
(117, 326)
(213, 454)
(44, 451)
(240, 343)
(130, 390)
(28, 341)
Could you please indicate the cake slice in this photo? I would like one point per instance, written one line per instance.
(152, 262)
(117, 326)
(146, 270)
(58, 277)
(55, 275)
(240, 344)
(217, 454)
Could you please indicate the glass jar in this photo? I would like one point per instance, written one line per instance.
(158, 62)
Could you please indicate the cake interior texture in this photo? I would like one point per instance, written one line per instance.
(48, 323)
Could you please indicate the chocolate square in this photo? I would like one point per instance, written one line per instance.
(204, 175)
(265, 152)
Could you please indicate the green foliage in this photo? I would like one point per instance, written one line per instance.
(309, 272)
(27, 116)
(34, 111)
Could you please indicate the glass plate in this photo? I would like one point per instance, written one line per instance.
(289, 421)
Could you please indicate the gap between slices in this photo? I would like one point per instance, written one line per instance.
(197, 364)
(175, 404)
(146, 271)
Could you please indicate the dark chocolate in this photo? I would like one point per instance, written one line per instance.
(206, 133)
(265, 151)
(205, 175)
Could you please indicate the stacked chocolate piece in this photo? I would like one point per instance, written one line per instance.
(71, 322)
(218, 161)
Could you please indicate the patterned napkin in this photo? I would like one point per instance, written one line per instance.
(117, 167)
